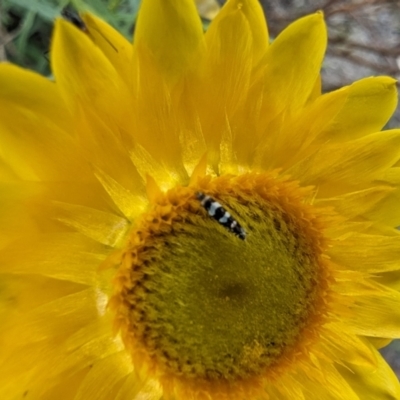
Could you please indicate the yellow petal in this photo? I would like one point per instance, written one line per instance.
(38, 151)
(131, 387)
(80, 351)
(86, 77)
(228, 60)
(317, 89)
(156, 122)
(379, 343)
(366, 105)
(62, 389)
(102, 378)
(302, 128)
(297, 52)
(391, 176)
(30, 91)
(35, 151)
(14, 216)
(375, 309)
(358, 203)
(336, 384)
(131, 205)
(339, 344)
(114, 46)
(332, 386)
(104, 227)
(368, 253)
(171, 32)
(377, 383)
(16, 294)
(390, 279)
(370, 104)
(349, 162)
(66, 256)
(89, 344)
(387, 211)
(253, 14)
(236, 40)
(58, 318)
(107, 150)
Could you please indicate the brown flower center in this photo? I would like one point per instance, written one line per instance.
(198, 302)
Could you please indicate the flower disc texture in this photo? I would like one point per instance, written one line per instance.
(188, 217)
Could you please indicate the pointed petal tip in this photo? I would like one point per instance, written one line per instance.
(171, 31)
(152, 189)
(387, 80)
(62, 23)
(312, 25)
(317, 18)
(384, 79)
(313, 21)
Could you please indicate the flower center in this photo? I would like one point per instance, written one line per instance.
(223, 280)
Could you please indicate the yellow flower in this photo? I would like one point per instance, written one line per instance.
(189, 218)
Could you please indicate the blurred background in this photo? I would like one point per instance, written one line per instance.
(364, 40)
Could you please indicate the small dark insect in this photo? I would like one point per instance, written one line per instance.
(219, 213)
(74, 18)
